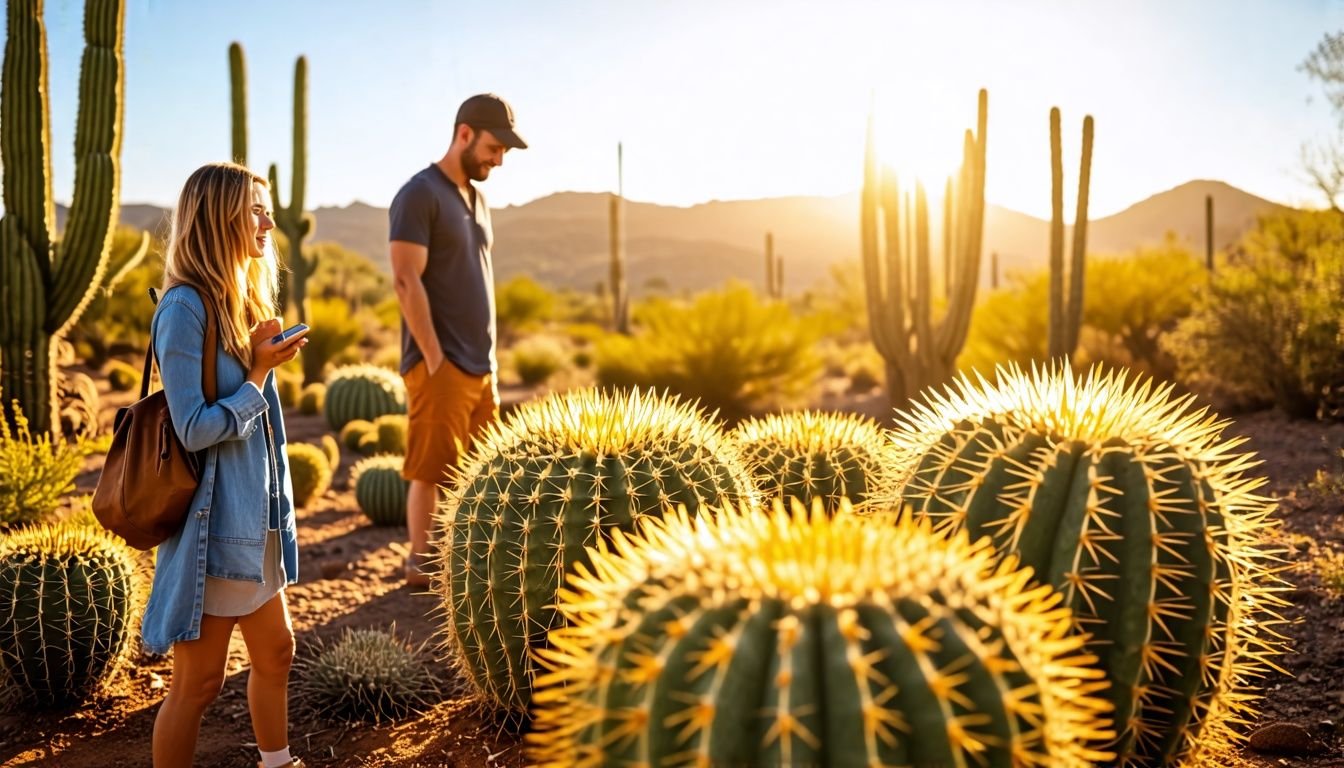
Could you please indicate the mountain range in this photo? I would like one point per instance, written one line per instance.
(562, 239)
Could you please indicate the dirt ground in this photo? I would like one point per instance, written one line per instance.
(350, 576)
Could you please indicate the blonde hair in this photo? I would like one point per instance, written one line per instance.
(209, 248)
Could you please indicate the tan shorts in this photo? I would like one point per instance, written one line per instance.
(446, 411)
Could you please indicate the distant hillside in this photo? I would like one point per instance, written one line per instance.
(561, 239)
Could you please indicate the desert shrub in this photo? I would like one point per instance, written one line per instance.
(865, 368)
(346, 275)
(388, 313)
(521, 303)
(728, 349)
(535, 358)
(334, 330)
(1129, 303)
(388, 357)
(117, 321)
(1266, 329)
(36, 471)
(1330, 569)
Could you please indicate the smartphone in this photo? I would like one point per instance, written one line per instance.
(289, 333)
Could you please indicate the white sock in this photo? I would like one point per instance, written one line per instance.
(275, 759)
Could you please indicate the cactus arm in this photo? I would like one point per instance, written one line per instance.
(238, 102)
(923, 282)
(25, 127)
(971, 210)
(81, 255)
(1056, 335)
(1079, 256)
(949, 256)
(299, 182)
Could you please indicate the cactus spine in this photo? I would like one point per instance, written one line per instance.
(754, 638)
(292, 220)
(1066, 313)
(555, 478)
(774, 269)
(1131, 505)
(71, 597)
(45, 283)
(814, 455)
(238, 102)
(620, 309)
(896, 267)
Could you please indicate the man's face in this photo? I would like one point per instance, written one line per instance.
(482, 153)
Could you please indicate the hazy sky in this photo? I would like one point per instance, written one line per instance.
(719, 99)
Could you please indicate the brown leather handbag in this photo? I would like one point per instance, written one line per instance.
(144, 492)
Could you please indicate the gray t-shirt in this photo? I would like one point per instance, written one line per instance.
(459, 276)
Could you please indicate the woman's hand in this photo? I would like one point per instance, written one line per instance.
(267, 354)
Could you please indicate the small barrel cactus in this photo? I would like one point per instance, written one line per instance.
(380, 490)
(542, 486)
(391, 433)
(332, 450)
(288, 386)
(748, 637)
(354, 431)
(313, 398)
(71, 596)
(1132, 506)
(807, 455)
(362, 392)
(309, 472)
(366, 675)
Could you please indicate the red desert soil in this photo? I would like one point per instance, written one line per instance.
(350, 576)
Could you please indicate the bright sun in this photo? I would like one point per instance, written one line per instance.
(919, 135)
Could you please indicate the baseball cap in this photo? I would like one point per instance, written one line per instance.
(488, 111)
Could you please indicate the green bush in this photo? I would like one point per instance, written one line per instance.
(727, 349)
(1129, 303)
(122, 377)
(521, 303)
(536, 358)
(346, 275)
(36, 472)
(1266, 329)
(335, 329)
(117, 321)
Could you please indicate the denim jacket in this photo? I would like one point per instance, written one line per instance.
(245, 489)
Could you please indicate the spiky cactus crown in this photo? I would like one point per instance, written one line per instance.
(1131, 504)
(72, 596)
(814, 454)
(792, 638)
(539, 488)
(366, 675)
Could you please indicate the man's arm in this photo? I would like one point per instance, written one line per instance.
(408, 264)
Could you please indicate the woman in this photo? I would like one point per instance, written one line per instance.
(237, 549)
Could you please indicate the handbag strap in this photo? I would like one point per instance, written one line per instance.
(208, 378)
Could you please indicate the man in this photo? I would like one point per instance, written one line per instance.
(440, 251)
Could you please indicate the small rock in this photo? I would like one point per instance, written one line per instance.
(155, 681)
(1285, 739)
(333, 568)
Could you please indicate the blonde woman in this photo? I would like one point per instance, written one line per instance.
(237, 549)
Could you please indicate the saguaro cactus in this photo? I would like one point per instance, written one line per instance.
(238, 102)
(774, 269)
(1066, 313)
(292, 220)
(1208, 232)
(45, 281)
(918, 351)
(620, 300)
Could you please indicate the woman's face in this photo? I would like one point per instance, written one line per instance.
(260, 218)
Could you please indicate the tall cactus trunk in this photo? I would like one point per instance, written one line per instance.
(770, 265)
(620, 308)
(292, 220)
(920, 351)
(46, 283)
(994, 270)
(1208, 232)
(238, 102)
(1066, 310)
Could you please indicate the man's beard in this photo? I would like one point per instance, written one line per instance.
(473, 168)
